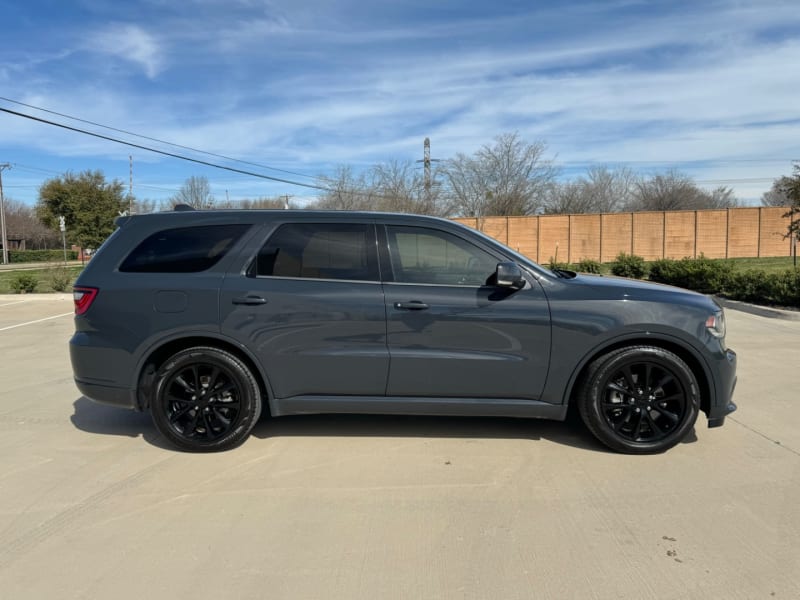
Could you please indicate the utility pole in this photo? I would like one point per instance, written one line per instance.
(3, 166)
(286, 201)
(426, 164)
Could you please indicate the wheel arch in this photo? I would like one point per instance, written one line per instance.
(685, 352)
(157, 354)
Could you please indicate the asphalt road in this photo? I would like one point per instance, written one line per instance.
(93, 505)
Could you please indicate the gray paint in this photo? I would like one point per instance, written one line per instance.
(341, 346)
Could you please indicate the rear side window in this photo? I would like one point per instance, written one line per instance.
(183, 250)
(320, 251)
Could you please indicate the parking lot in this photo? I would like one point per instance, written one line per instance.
(94, 505)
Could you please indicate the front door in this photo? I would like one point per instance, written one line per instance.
(451, 333)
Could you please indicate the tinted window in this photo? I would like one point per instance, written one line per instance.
(320, 251)
(435, 257)
(183, 250)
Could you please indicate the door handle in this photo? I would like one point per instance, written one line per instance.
(249, 300)
(413, 305)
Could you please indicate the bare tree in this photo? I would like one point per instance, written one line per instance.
(568, 198)
(601, 190)
(510, 177)
(721, 197)
(142, 206)
(23, 224)
(276, 203)
(345, 191)
(776, 195)
(196, 192)
(675, 191)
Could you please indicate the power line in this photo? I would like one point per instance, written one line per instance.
(170, 154)
(152, 139)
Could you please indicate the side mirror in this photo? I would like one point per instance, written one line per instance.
(509, 275)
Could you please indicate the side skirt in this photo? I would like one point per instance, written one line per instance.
(383, 405)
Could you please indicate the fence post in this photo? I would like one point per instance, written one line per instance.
(695, 234)
(569, 239)
(664, 234)
(538, 237)
(758, 252)
(600, 259)
(727, 231)
(632, 236)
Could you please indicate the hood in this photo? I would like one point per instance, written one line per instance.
(622, 288)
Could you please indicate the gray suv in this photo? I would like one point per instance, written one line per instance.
(210, 318)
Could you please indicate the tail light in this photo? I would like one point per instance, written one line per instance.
(83, 298)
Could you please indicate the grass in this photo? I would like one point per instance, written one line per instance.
(770, 265)
(43, 276)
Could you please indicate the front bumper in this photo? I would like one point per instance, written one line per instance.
(725, 384)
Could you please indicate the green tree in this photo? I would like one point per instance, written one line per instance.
(88, 203)
(791, 189)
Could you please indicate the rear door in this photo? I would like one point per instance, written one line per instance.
(451, 333)
(311, 307)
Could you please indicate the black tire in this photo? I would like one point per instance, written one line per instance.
(639, 399)
(205, 400)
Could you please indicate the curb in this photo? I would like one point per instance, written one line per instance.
(761, 311)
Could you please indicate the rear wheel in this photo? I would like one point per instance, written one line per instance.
(639, 400)
(205, 400)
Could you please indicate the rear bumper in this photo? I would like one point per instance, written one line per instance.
(106, 394)
(101, 372)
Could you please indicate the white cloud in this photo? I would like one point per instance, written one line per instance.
(132, 43)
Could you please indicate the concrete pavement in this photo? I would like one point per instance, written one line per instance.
(93, 505)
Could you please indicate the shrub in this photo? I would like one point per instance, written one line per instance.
(629, 265)
(663, 270)
(765, 288)
(587, 265)
(750, 286)
(23, 283)
(23, 256)
(554, 264)
(785, 288)
(701, 274)
(59, 277)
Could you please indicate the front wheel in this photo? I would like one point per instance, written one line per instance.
(206, 400)
(639, 400)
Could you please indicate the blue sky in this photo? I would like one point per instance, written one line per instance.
(710, 88)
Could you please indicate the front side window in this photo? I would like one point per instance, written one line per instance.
(429, 256)
(183, 250)
(319, 251)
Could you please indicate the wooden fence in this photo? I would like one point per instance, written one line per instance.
(726, 233)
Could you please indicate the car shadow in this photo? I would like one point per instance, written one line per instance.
(410, 426)
(108, 420)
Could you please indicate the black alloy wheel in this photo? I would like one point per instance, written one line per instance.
(206, 399)
(640, 399)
